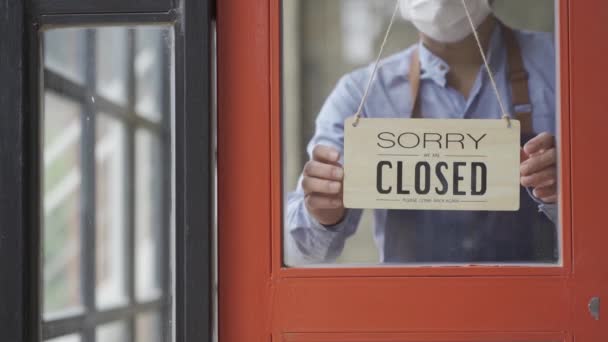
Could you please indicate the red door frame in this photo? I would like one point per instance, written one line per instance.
(259, 300)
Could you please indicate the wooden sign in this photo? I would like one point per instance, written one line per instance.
(432, 164)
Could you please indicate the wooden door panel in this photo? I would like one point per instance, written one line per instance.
(427, 337)
(422, 304)
(586, 328)
(588, 123)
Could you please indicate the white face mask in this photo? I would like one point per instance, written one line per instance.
(444, 20)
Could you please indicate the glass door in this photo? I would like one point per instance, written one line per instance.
(393, 275)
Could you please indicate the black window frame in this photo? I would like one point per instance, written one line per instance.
(20, 142)
(15, 279)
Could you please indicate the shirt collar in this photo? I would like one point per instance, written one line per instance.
(436, 69)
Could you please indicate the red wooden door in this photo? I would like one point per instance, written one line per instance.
(260, 300)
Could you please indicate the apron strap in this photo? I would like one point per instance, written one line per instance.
(518, 78)
(414, 78)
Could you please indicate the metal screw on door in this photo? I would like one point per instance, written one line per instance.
(594, 308)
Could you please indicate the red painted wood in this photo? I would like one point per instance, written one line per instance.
(244, 182)
(424, 337)
(588, 121)
(422, 304)
(260, 300)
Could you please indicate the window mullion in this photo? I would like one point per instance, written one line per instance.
(76, 92)
(76, 323)
(130, 181)
(165, 228)
(88, 214)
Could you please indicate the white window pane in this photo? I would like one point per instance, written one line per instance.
(64, 52)
(148, 209)
(112, 61)
(114, 332)
(149, 328)
(150, 42)
(110, 215)
(69, 338)
(61, 204)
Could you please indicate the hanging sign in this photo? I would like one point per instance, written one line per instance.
(432, 164)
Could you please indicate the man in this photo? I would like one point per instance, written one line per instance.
(452, 84)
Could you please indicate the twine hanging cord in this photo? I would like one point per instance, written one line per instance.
(501, 103)
(505, 115)
(376, 64)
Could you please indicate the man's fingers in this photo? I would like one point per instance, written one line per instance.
(522, 156)
(325, 154)
(545, 192)
(543, 141)
(539, 162)
(317, 201)
(539, 170)
(324, 171)
(543, 178)
(550, 199)
(320, 186)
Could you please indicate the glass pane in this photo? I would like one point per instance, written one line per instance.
(148, 219)
(111, 232)
(62, 203)
(149, 58)
(112, 60)
(326, 66)
(107, 175)
(65, 53)
(149, 328)
(70, 338)
(114, 332)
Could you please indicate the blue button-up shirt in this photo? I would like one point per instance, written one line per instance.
(401, 236)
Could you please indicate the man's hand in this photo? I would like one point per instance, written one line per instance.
(538, 168)
(322, 184)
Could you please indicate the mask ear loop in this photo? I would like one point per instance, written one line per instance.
(487, 66)
(375, 70)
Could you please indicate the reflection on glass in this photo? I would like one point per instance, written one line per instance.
(148, 219)
(70, 338)
(148, 328)
(111, 232)
(112, 62)
(148, 81)
(105, 196)
(67, 60)
(317, 97)
(62, 203)
(114, 332)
